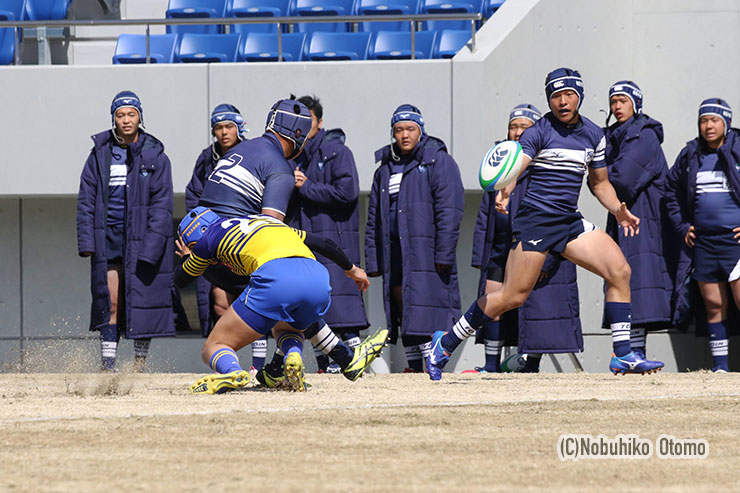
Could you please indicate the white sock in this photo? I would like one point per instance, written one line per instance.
(108, 349)
(141, 348)
(259, 348)
(353, 342)
(638, 338)
(493, 348)
(413, 353)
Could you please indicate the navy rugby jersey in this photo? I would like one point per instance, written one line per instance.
(560, 157)
(716, 209)
(251, 176)
(117, 186)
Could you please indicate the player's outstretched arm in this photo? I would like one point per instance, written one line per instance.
(331, 250)
(604, 192)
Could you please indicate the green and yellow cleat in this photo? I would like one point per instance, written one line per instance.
(365, 354)
(295, 378)
(219, 383)
(271, 376)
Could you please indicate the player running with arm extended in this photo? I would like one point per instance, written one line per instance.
(561, 147)
(287, 284)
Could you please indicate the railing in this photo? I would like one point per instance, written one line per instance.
(279, 21)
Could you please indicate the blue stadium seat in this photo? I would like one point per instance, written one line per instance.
(304, 8)
(338, 46)
(450, 7)
(491, 6)
(10, 10)
(46, 9)
(386, 7)
(208, 48)
(256, 8)
(263, 47)
(131, 48)
(394, 45)
(178, 9)
(449, 42)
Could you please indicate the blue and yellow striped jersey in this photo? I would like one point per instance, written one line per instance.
(245, 244)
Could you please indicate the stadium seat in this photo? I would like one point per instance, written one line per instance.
(449, 42)
(386, 7)
(338, 46)
(46, 9)
(305, 8)
(394, 45)
(263, 47)
(450, 7)
(179, 9)
(208, 48)
(256, 8)
(131, 48)
(10, 10)
(491, 6)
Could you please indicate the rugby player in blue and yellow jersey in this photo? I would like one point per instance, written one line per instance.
(287, 284)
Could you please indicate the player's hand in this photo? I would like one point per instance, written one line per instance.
(300, 177)
(737, 233)
(358, 275)
(690, 237)
(502, 198)
(629, 222)
(181, 248)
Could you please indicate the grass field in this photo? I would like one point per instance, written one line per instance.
(145, 432)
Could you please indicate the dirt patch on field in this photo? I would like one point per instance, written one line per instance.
(89, 432)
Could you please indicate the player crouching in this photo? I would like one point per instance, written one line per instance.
(287, 286)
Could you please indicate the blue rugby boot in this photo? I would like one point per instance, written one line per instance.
(634, 363)
(437, 358)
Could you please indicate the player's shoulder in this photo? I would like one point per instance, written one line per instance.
(593, 130)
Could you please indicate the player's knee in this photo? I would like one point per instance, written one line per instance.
(621, 274)
(515, 300)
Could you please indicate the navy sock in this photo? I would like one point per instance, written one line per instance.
(619, 316)
(109, 345)
(290, 342)
(532, 364)
(493, 346)
(414, 358)
(638, 339)
(473, 319)
(322, 360)
(719, 344)
(342, 354)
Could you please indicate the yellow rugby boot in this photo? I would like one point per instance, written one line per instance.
(219, 383)
(365, 354)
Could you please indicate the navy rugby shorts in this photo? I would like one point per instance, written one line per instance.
(543, 231)
(716, 257)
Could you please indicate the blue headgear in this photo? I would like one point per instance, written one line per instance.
(561, 79)
(229, 113)
(126, 99)
(408, 113)
(292, 120)
(526, 110)
(629, 89)
(195, 223)
(718, 107)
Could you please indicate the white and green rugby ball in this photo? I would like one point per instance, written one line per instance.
(501, 165)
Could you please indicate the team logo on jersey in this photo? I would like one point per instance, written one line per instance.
(589, 155)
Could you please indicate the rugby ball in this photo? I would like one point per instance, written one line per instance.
(514, 363)
(501, 165)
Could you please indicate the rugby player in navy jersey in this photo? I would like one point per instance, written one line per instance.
(287, 284)
(561, 147)
(703, 203)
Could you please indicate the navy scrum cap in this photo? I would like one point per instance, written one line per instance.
(526, 110)
(629, 89)
(408, 113)
(562, 79)
(717, 107)
(290, 119)
(126, 99)
(229, 113)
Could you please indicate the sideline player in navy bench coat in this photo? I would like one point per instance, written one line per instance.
(548, 322)
(142, 269)
(706, 175)
(429, 212)
(326, 203)
(228, 129)
(637, 169)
